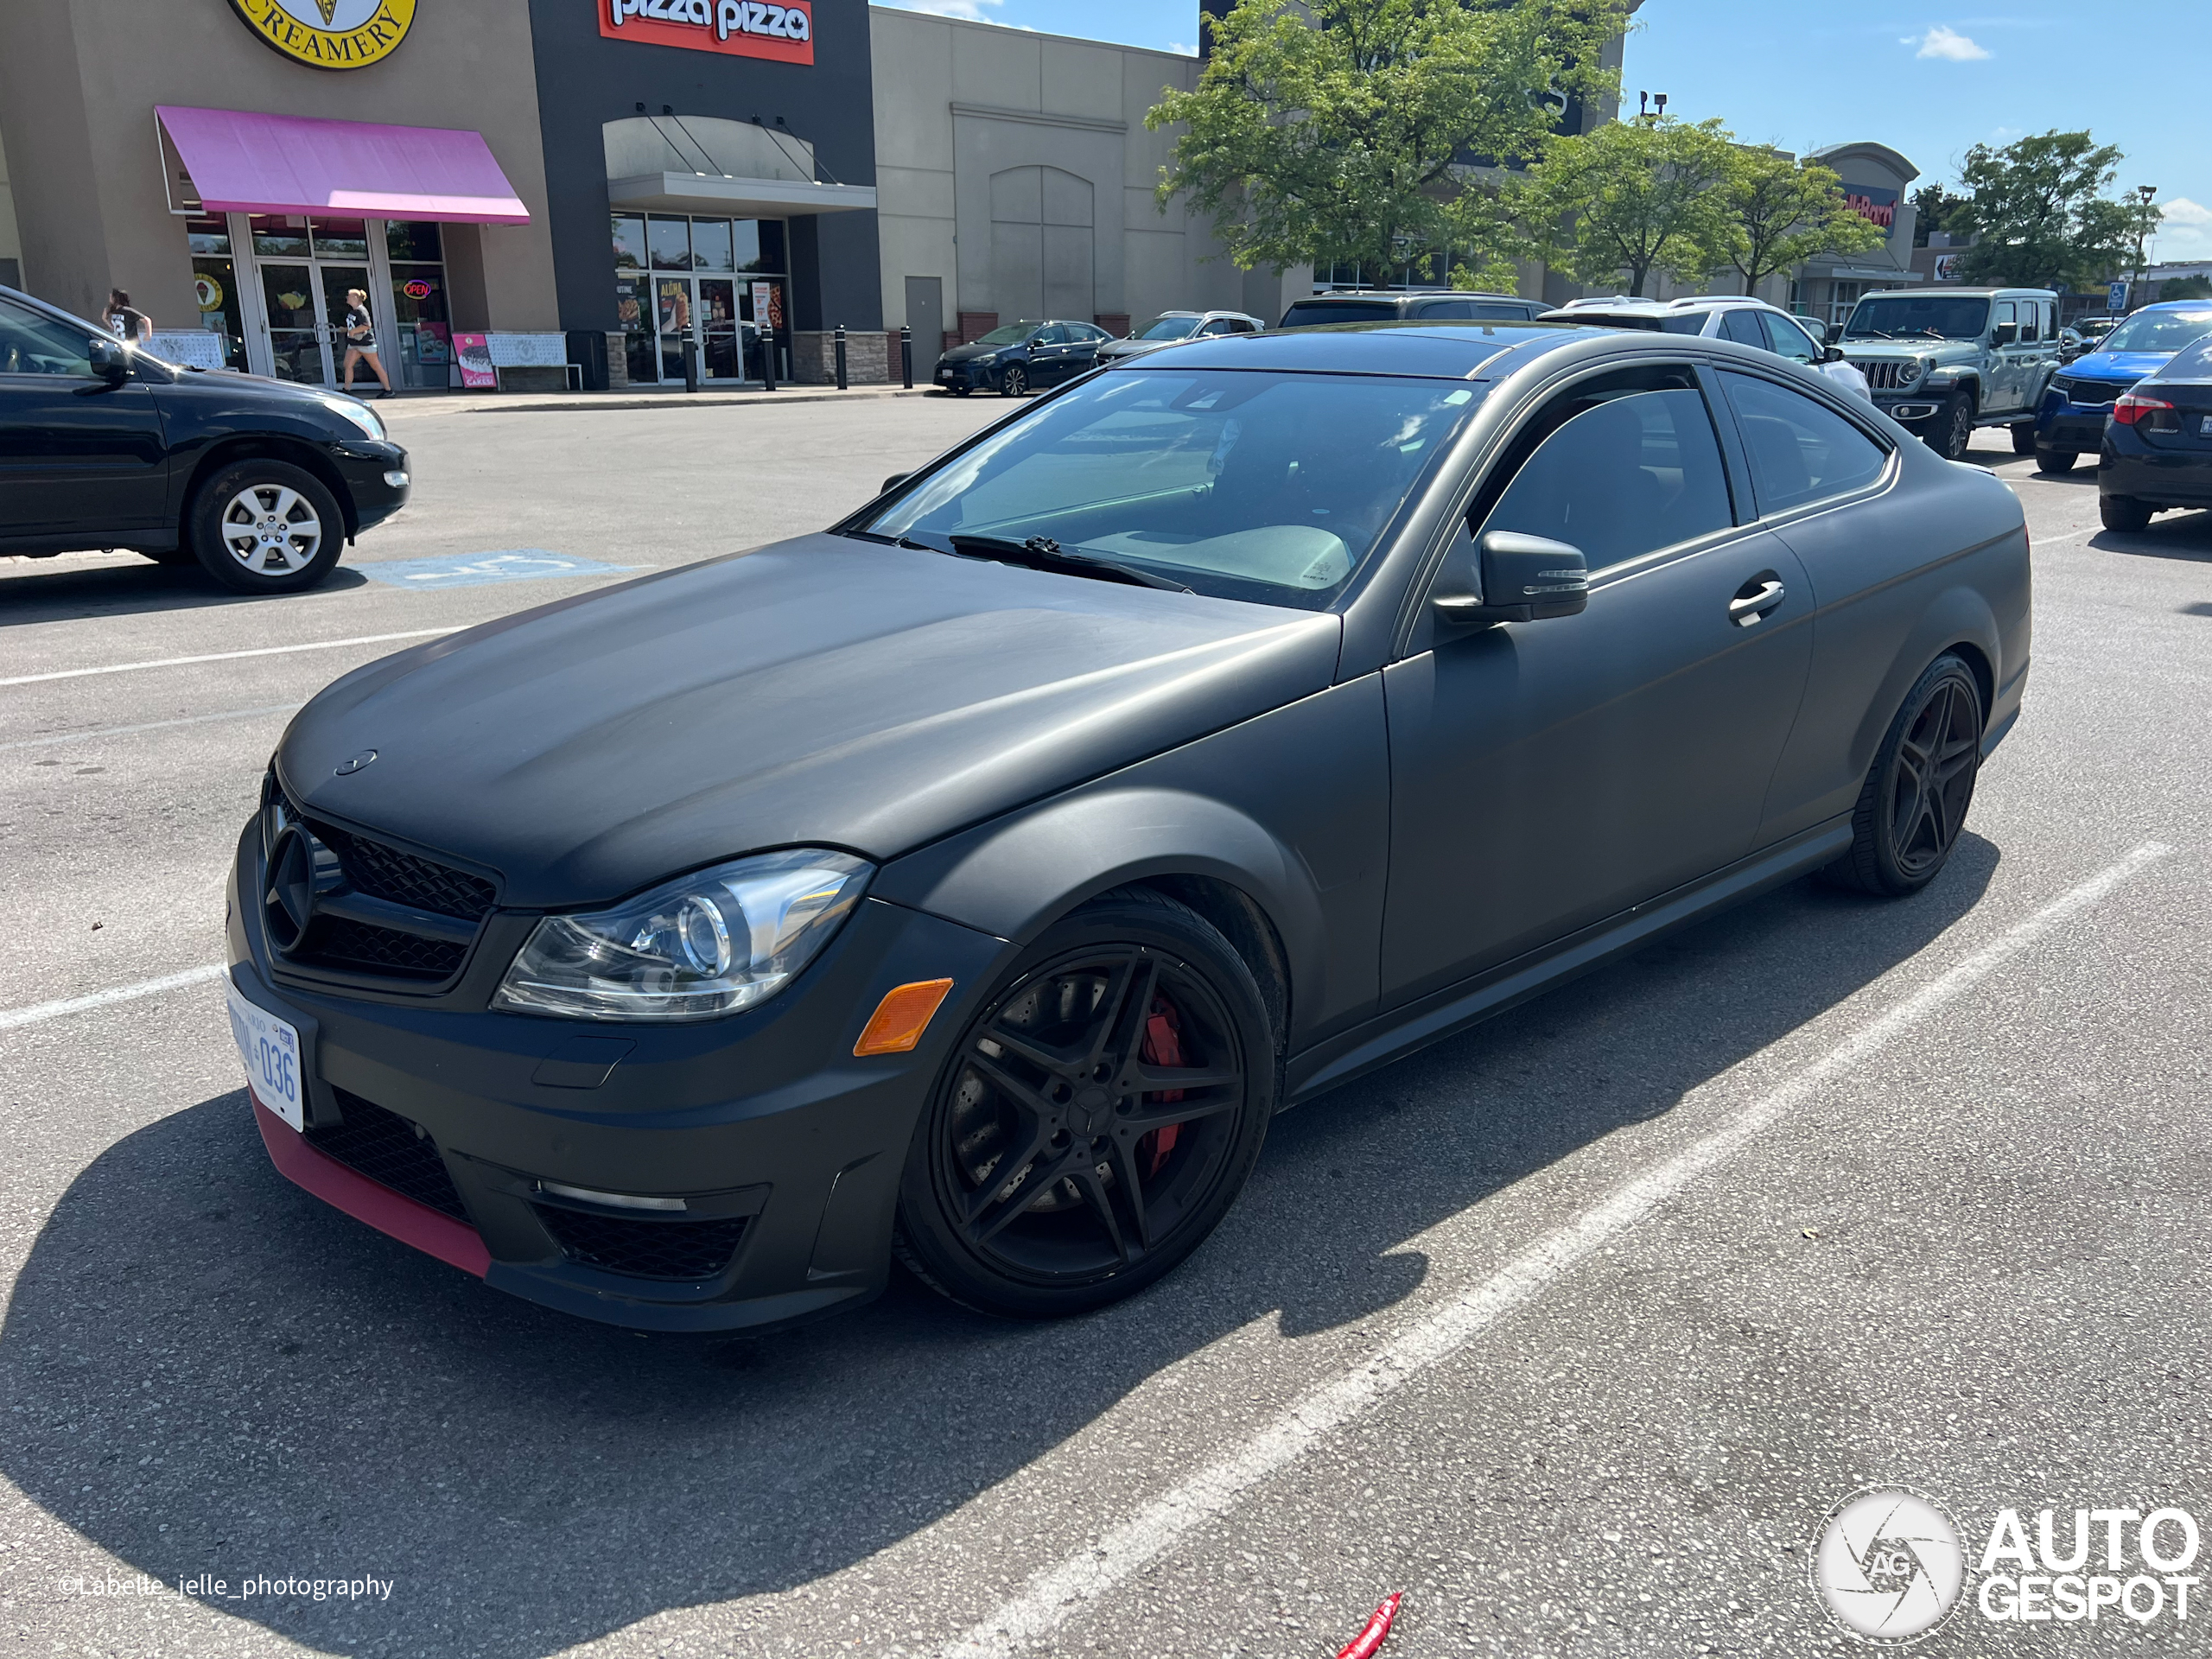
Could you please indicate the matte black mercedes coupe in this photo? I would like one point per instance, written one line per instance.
(969, 883)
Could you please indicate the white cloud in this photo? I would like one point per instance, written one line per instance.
(2185, 231)
(968, 11)
(1187, 51)
(1944, 42)
(2182, 211)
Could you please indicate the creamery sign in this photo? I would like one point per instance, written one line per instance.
(329, 34)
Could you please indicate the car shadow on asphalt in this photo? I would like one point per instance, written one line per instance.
(75, 593)
(2187, 537)
(213, 1374)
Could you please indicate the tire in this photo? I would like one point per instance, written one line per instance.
(2054, 461)
(262, 526)
(1952, 430)
(1013, 381)
(1915, 800)
(1127, 1183)
(2024, 437)
(2124, 512)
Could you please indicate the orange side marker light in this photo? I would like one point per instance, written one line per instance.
(900, 1018)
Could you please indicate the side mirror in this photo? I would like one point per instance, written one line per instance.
(111, 362)
(1832, 332)
(1832, 354)
(2007, 333)
(1520, 579)
(894, 482)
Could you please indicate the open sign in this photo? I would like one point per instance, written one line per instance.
(416, 289)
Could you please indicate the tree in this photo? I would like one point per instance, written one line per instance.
(1339, 130)
(1781, 213)
(1634, 198)
(2185, 288)
(1935, 209)
(2039, 209)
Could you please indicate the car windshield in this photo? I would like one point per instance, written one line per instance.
(1242, 485)
(1168, 327)
(1012, 334)
(1312, 314)
(1917, 316)
(2158, 331)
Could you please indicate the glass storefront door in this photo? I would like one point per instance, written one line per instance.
(295, 333)
(339, 284)
(302, 272)
(685, 286)
(720, 345)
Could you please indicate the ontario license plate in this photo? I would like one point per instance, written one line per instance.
(269, 1050)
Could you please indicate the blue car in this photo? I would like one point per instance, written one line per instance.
(2071, 420)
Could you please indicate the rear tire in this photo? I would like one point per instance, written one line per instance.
(2024, 437)
(2124, 512)
(1915, 800)
(2055, 461)
(262, 526)
(1045, 1095)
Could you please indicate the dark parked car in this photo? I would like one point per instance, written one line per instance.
(972, 881)
(2071, 420)
(2157, 451)
(1021, 356)
(1323, 309)
(102, 445)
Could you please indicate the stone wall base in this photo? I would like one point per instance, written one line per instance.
(814, 361)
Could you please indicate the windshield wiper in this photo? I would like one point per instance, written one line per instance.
(1860, 333)
(1042, 553)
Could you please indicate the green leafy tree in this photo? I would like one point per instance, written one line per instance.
(2186, 288)
(1781, 212)
(1934, 208)
(1634, 199)
(1340, 130)
(2039, 207)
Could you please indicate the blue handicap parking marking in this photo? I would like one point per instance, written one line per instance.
(467, 569)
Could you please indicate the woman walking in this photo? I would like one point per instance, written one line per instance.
(124, 321)
(361, 340)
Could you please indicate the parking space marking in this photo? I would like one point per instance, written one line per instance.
(471, 570)
(1056, 1594)
(225, 655)
(150, 726)
(10, 1018)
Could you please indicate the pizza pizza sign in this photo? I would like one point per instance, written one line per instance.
(745, 28)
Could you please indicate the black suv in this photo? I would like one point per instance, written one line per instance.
(1437, 306)
(102, 446)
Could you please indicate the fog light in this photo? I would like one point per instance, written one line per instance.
(900, 1018)
(618, 1200)
(397, 481)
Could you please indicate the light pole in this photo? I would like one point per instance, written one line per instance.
(2143, 220)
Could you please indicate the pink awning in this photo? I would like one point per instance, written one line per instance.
(242, 162)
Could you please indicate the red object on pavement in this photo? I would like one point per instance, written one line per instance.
(387, 1211)
(1369, 1640)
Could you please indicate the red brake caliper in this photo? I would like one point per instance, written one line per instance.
(1163, 1045)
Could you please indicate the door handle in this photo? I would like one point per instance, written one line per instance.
(1754, 599)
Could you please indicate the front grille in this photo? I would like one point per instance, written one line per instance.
(1887, 375)
(2091, 393)
(391, 1152)
(645, 1249)
(385, 872)
(378, 870)
(342, 942)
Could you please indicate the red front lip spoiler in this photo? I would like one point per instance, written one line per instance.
(451, 1242)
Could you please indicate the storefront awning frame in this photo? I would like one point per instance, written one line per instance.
(243, 161)
(711, 195)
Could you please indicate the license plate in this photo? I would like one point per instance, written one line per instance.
(269, 1050)
(2204, 427)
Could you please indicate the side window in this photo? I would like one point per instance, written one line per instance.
(1446, 311)
(1244, 325)
(31, 343)
(1788, 339)
(1800, 451)
(2006, 312)
(1219, 326)
(1619, 470)
(1498, 313)
(2031, 329)
(1743, 328)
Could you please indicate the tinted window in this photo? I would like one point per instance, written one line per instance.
(1219, 326)
(1788, 339)
(1168, 328)
(1310, 314)
(1055, 335)
(1625, 473)
(1743, 328)
(1688, 322)
(1445, 310)
(1497, 313)
(31, 343)
(1800, 451)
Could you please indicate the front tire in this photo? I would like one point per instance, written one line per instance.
(1013, 381)
(1098, 1116)
(262, 526)
(1915, 800)
(2024, 437)
(2124, 512)
(2055, 461)
(1952, 430)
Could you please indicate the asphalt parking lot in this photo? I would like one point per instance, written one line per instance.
(1571, 1328)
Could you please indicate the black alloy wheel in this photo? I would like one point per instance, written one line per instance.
(2024, 437)
(1915, 800)
(1013, 381)
(2124, 512)
(2049, 460)
(1953, 430)
(1098, 1118)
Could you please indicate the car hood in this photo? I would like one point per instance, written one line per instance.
(2118, 366)
(1890, 351)
(823, 691)
(969, 352)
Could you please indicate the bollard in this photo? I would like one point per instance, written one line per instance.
(906, 357)
(691, 357)
(841, 357)
(768, 359)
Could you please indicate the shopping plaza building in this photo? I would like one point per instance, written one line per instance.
(520, 186)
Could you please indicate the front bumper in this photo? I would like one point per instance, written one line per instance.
(441, 1122)
(370, 468)
(1905, 407)
(955, 377)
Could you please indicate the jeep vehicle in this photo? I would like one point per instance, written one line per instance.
(1942, 361)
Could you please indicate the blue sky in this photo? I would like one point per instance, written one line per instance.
(1930, 83)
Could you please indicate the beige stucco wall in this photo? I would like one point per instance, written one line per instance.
(79, 81)
(957, 103)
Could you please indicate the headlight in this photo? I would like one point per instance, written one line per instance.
(707, 943)
(988, 360)
(360, 413)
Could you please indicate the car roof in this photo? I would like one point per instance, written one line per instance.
(1439, 350)
(1933, 289)
(1357, 296)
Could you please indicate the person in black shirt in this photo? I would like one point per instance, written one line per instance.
(125, 321)
(361, 340)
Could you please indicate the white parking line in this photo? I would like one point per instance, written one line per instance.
(150, 726)
(10, 1018)
(1057, 1594)
(224, 656)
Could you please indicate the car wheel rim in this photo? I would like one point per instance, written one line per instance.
(1932, 780)
(1961, 431)
(270, 530)
(1016, 382)
(1091, 1112)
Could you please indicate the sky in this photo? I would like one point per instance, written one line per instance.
(1928, 84)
